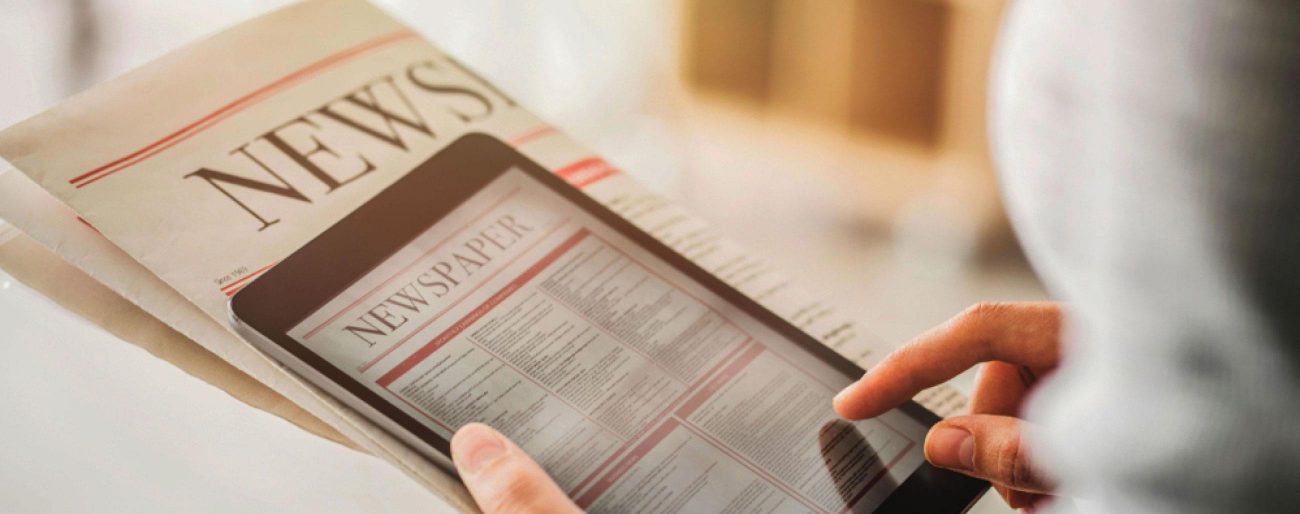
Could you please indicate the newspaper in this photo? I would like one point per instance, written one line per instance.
(196, 173)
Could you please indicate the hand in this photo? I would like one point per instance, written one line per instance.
(502, 478)
(1020, 342)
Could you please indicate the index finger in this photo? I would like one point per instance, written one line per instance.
(1024, 333)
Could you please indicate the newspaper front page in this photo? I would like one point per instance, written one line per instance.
(179, 183)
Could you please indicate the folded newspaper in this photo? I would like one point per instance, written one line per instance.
(169, 189)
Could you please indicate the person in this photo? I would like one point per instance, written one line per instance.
(1149, 154)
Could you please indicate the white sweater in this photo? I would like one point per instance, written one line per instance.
(1150, 158)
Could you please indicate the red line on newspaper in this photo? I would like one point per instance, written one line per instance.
(491, 303)
(731, 372)
(87, 223)
(365, 367)
(237, 105)
(750, 355)
(720, 380)
(752, 467)
(716, 380)
(234, 287)
(724, 318)
(626, 464)
(539, 385)
(456, 328)
(734, 369)
(586, 172)
(665, 414)
(408, 267)
(533, 135)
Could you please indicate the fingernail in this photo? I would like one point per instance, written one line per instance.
(843, 392)
(951, 448)
(476, 446)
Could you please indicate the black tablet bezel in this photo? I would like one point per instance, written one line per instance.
(286, 294)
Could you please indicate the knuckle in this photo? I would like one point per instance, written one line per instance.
(982, 320)
(981, 312)
(1013, 467)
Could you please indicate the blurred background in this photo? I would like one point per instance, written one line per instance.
(844, 140)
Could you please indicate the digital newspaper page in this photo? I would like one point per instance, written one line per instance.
(636, 388)
(196, 173)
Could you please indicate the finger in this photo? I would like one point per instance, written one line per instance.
(988, 447)
(1000, 389)
(501, 477)
(1019, 333)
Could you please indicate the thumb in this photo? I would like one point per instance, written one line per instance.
(501, 477)
(988, 447)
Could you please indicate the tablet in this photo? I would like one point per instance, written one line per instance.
(480, 287)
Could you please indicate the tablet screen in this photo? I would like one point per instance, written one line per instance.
(634, 386)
